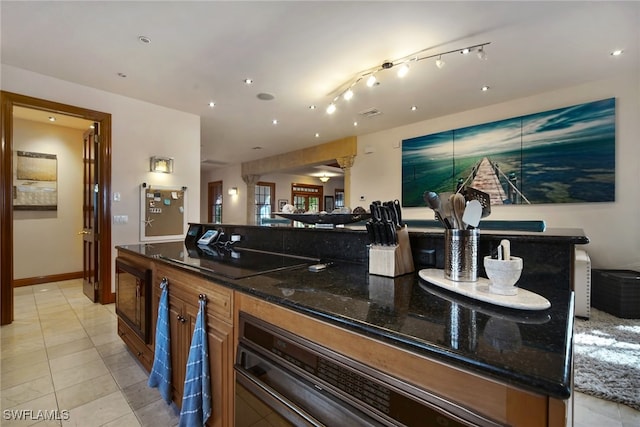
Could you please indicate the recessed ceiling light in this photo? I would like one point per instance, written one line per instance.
(144, 39)
(617, 52)
(414, 108)
(248, 81)
(123, 75)
(317, 135)
(265, 96)
(355, 123)
(484, 88)
(274, 121)
(312, 107)
(257, 147)
(465, 51)
(52, 119)
(212, 104)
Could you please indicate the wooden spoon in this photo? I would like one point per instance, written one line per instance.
(458, 204)
(446, 208)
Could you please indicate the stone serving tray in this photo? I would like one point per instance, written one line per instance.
(523, 300)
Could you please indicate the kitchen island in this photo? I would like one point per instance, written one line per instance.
(512, 367)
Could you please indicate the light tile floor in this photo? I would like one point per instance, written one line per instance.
(62, 353)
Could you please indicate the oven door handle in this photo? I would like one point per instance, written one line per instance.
(293, 412)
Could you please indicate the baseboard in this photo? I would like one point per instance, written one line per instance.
(46, 279)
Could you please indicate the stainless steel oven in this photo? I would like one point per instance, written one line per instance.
(282, 376)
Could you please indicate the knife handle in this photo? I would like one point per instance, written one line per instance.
(370, 232)
(398, 211)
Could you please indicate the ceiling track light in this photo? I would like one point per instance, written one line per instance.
(403, 70)
(371, 81)
(348, 95)
(346, 90)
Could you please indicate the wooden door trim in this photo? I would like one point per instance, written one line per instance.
(319, 193)
(8, 101)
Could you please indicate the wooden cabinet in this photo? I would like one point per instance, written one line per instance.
(136, 345)
(184, 289)
(496, 400)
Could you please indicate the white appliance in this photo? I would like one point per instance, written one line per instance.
(582, 283)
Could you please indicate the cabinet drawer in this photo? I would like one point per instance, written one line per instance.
(136, 345)
(188, 286)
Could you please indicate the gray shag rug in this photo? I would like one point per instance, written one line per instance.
(606, 351)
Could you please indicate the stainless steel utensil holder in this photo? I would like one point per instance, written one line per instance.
(461, 254)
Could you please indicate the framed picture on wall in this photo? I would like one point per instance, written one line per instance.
(281, 203)
(328, 203)
(36, 183)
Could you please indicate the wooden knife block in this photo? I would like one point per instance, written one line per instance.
(392, 261)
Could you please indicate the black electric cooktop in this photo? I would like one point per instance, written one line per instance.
(237, 263)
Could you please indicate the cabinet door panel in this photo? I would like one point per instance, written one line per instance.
(184, 289)
(221, 371)
(178, 358)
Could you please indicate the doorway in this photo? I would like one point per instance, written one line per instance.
(103, 207)
(214, 202)
(307, 197)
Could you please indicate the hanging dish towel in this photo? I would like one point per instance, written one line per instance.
(196, 400)
(160, 376)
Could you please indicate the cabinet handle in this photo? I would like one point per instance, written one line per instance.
(181, 319)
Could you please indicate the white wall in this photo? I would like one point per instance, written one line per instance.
(139, 130)
(39, 237)
(613, 228)
(233, 207)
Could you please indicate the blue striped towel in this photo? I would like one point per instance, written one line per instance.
(161, 372)
(196, 400)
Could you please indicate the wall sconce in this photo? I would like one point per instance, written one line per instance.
(161, 164)
(233, 191)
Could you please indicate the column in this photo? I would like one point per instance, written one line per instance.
(251, 181)
(346, 163)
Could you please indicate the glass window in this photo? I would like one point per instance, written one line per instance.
(265, 193)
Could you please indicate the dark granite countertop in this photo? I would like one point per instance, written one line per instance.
(526, 349)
